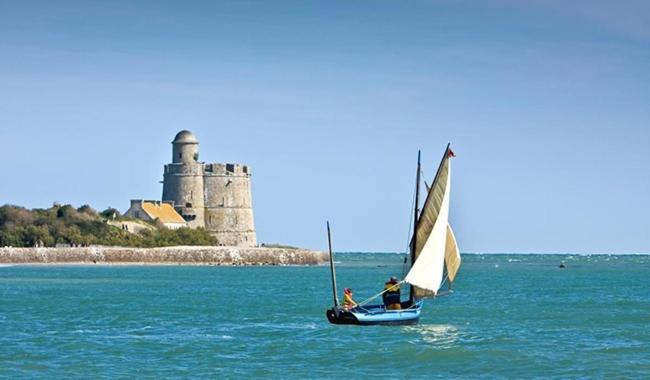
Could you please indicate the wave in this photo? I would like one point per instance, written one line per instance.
(439, 335)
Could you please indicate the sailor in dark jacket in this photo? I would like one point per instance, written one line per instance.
(391, 294)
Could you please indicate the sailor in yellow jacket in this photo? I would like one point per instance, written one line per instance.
(348, 302)
(392, 296)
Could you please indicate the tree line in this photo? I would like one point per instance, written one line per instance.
(83, 226)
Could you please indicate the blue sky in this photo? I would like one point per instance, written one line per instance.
(545, 104)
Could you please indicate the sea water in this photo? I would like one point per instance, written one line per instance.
(510, 316)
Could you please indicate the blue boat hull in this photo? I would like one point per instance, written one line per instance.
(375, 315)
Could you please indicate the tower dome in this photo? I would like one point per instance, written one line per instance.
(185, 148)
(185, 137)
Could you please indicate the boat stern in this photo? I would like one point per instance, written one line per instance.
(339, 316)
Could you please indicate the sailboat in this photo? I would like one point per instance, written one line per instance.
(434, 258)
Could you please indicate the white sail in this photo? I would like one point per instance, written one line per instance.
(427, 271)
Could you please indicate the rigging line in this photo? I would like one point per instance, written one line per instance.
(408, 236)
(377, 295)
(443, 281)
(414, 306)
(426, 185)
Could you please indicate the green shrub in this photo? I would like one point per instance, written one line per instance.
(20, 227)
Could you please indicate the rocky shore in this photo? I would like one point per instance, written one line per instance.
(185, 255)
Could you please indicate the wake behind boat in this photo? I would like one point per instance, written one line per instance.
(435, 260)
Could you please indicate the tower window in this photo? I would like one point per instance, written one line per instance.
(180, 155)
(188, 205)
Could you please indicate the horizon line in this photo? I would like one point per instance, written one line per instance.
(514, 253)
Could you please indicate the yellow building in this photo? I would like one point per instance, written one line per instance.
(152, 210)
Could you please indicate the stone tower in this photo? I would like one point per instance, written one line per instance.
(228, 209)
(214, 196)
(183, 180)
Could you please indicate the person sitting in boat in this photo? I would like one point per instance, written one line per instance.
(391, 295)
(348, 302)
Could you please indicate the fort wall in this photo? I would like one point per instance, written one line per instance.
(183, 185)
(228, 205)
(194, 255)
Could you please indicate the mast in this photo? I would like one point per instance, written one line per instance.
(333, 272)
(416, 215)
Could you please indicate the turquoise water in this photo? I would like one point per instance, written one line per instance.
(511, 316)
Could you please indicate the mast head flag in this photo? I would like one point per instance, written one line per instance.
(435, 244)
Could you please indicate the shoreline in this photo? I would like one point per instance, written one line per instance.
(180, 255)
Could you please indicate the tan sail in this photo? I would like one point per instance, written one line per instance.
(431, 207)
(452, 255)
(426, 274)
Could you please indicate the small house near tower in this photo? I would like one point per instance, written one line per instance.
(152, 210)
